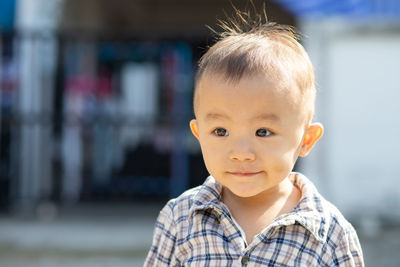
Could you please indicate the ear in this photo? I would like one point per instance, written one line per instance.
(194, 128)
(313, 133)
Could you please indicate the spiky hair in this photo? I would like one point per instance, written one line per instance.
(249, 44)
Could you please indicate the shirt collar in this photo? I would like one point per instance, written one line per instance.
(310, 212)
(208, 197)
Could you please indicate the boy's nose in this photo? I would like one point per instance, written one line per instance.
(242, 152)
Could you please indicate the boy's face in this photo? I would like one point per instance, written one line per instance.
(250, 132)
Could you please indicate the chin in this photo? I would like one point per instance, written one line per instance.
(245, 193)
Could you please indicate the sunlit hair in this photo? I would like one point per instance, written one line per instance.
(249, 45)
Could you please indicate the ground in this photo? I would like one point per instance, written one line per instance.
(120, 235)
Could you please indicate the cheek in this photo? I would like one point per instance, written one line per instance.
(212, 156)
(210, 145)
(212, 164)
(284, 164)
(282, 159)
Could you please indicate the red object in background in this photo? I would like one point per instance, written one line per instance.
(84, 85)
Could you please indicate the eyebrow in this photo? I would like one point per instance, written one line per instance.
(216, 116)
(261, 117)
(267, 117)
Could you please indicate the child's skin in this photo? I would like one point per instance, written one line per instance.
(251, 132)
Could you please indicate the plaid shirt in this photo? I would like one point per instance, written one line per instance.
(196, 229)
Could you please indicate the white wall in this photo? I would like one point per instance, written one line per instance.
(358, 75)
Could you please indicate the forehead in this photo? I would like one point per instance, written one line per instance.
(258, 82)
(257, 93)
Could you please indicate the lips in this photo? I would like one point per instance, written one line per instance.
(244, 173)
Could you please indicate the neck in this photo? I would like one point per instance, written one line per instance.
(255, 213)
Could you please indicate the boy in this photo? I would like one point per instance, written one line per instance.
(253, 103)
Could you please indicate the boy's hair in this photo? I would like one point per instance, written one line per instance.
(250, 44)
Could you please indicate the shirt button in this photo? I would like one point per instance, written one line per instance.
(245, 260)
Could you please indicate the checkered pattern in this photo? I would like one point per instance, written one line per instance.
(196, 229)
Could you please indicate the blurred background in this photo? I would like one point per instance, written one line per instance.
(95, 101)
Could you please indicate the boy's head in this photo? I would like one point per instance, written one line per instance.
(254, 101)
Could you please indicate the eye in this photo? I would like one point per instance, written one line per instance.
(263, 132)
(220, 132)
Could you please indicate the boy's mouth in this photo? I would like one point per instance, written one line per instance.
(244, 173)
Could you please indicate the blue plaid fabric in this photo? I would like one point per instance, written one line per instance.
(196, 229)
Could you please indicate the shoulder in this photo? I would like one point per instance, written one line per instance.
(342, 238)
(178, 208)
(323, 218)
(196, 198)
(339, 237)
(340, 229)
(327, 223)
(170, 228)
